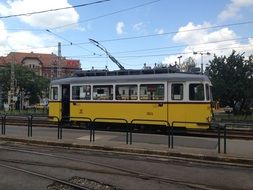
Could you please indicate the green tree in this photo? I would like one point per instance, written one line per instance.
(25, 79)
(232, 79)
(188, 65)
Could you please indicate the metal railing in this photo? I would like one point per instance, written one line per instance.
(164, 122)
(221, 128)
(84, 119)
(114, 119)
(59, 126)
(29, 123)
(182, 122)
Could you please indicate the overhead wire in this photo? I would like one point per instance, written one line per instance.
(171, 47)
(52, 10)
(108, 14)
(167, 54)
(70, 42)
(173, 32)
(94, 18)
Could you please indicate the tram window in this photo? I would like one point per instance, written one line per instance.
(102, 92)
(82, 92)
(152, 91)
(126, 92)
(196, 91)
(177, 91)
(54, 93)
(207, 92)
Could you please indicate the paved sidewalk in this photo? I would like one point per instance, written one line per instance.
(238, 151)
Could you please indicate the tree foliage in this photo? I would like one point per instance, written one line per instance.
(232, 79)
(25, 79)
(188, 65)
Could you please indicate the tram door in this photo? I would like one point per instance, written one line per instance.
(65, 101)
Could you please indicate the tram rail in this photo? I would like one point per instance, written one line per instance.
(41, 175)
(116, 170)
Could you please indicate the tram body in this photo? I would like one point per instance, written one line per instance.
(143, 98)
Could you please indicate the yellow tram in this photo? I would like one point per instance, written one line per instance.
(134, 96)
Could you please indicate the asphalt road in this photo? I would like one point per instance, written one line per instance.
(119, 171)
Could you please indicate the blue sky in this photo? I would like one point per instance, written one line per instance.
(142, 31)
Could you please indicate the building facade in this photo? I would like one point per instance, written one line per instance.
(50, 66)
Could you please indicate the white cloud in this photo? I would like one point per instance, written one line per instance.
(219, 42)
(159, 31)
(191, 33)
(232, 10)
(43, 20)
(120, 28)
(138, 26)
(24, 41)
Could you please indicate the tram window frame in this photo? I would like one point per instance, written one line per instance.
(130, 92)
(84, 95)
(149, 96)
(177, 96)
(208, 95)
(102, 88)
(195, 94)
(52, 91)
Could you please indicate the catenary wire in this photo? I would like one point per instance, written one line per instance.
(171, 47)
(108, 14)
(166, 54)
(52, 10)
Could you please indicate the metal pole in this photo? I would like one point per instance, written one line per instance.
(127, 133)
(93, 134)
(28, 126)
(59, 125)
(131, 134)
(218, 138)
(90, 126)
(225, 139)
(169, 133)
(31, 125)
(172, 137)
(2, 124)
(61, 131)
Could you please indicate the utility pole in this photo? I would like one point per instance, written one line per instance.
(59, 66)
(12, 85)
(202, 64)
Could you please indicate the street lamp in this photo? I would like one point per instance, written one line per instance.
(202, 53)
(179, 58)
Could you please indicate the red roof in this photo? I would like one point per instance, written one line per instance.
(46, 59)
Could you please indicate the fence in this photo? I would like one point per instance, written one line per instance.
(129, 127)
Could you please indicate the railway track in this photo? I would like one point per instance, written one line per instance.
(123, 172)
(41, 175)
(239, 133)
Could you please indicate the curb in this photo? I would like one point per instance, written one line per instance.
(228, 160)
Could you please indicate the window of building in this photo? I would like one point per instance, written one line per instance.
(102, 92)
(152, 91)
(207, 92)
(82, 92)
(126, 92)
(177, 91)
(54, 93)
(196, 92)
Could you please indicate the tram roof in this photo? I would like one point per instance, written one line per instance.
(173, 77)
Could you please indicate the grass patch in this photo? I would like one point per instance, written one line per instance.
(230, 117)
(34, 112)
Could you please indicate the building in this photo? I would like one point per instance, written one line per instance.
(47, 65)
